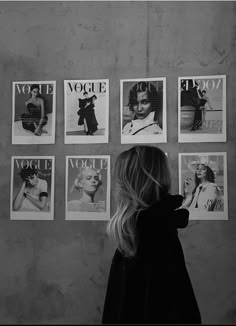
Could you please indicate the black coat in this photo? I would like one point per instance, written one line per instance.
(154, 286)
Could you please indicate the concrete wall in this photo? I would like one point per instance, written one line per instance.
(56, 271)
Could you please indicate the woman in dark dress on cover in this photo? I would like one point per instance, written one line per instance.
(148, 281)
(35, 118)
(87, 114)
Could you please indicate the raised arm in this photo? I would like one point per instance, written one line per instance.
(38, 128)
(19, 197)
(41, 202)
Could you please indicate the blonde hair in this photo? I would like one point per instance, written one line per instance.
(76, 185)
(142, 177)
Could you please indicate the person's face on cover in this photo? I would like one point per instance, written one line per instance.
(143, 106)
(35, 92)
(32, 180)
(201, 172)
(90, 181)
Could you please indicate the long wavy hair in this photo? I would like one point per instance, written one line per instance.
(142, 177)
(210, 176)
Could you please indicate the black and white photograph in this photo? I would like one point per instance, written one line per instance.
(86, 111)
(203, 184)
(33, 112)
(32, 188)
(143, 110)
(88, 187)
(202, 109)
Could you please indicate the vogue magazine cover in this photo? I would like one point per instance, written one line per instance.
(86, 111)
(33, 112)
(88, 187)
(143, 110)
(203, 183)
(32, 188)
(202, 109)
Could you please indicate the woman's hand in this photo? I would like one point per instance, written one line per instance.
(188, 184)
(38, 132)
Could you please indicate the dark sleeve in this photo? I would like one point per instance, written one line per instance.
(43, 194)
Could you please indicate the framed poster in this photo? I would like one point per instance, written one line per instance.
(202, 109)
(32, 188)
(143, 110)
(203, 183)
(86, 111)
(88, 187)
(33, 112)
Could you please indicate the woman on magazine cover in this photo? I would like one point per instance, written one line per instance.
(33, 193)
(144, 105)
(87, 183)
(87, 114)
(206, 194)
(35, 118)
(204, 101)
(148, 281)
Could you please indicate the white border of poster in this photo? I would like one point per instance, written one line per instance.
(152, 137)
(34, 215)
(213, 199)
(75, 133)
(77, 212)
(211, 125)
(23, 136)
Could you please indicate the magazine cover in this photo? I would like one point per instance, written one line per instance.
(33, 112)
(143, 110)
(202, 109)
(86, 111)
(203, 183)
(88, 187)
(32, 188)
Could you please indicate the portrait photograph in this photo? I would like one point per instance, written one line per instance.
(33, 112)
(203, 184)
(87, 187)
(202, 109)
(143, 110)
(86, 108)
(32, 188)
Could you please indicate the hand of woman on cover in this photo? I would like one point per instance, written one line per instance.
(38, 132)
(188, 184)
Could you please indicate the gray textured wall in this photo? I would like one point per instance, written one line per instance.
(56, 271)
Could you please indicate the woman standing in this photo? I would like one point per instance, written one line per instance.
(148, 282)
